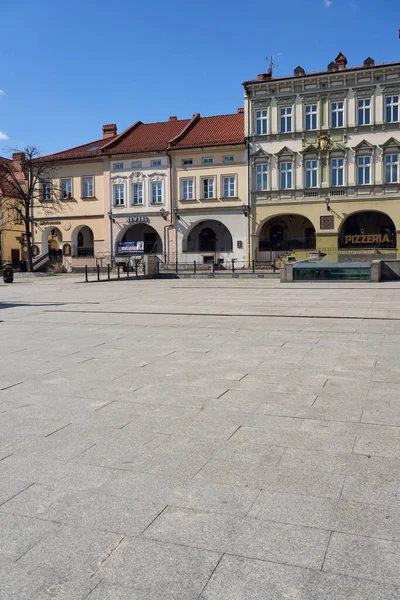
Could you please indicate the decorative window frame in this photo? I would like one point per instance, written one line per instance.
(337, 153)
(114, 182)
(261, 157)
(265, 105)
(306, 100)
(389, 90)
(156, 178)
(83, 187)
(338, 97)
(181, 180)
(136, 178)
(311, 155)
(364, 93)
(364, 148)
(286, 102)
(71, 179)
(391, 146)
(202, 178)
(235, 195)
(286, 155)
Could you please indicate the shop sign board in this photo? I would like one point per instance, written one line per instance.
(131, 248)
(367, 239)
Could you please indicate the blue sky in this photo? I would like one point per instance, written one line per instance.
(68, 67)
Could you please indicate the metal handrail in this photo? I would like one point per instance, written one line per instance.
(41, 260)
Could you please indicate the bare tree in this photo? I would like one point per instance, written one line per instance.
(28, 181)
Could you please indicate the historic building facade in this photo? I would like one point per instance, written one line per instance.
(69, 219)
(210, 190)
(12, 228)
(324, 158)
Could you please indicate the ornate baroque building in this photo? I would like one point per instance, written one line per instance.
(324, 158)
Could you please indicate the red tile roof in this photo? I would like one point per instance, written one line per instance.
(221, 130)
(157, 137)
(84, 151)
(146, 137)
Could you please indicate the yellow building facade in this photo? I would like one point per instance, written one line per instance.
(324, 165)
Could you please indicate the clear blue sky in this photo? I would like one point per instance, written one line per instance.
(68, 67)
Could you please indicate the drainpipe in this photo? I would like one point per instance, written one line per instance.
(171, 224)
(249, 183)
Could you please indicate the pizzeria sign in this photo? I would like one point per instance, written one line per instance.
(367, 239)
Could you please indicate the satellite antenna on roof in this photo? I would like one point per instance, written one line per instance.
(271, 63)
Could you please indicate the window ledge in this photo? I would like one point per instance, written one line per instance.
(89, 198)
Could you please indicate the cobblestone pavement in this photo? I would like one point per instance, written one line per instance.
(199, 439)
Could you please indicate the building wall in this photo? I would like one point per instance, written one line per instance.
(197, 212)
(70, 215)
(349, 142)
(140, 170)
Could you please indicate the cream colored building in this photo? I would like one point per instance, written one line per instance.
(75, 228)
(210, 191)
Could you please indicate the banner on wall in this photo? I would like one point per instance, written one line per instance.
(131, 248)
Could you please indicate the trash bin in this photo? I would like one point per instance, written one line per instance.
(22, 266)
(8, 273)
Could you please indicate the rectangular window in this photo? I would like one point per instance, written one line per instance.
(228, 184)
(136, 164)
(311, 117)
(66, 188)
(137, 194)
(46, 191)
(119, 194)
(337, 110)
(187, 189)
(286, 175)
(364, 170)
(337, 168)
(156, 163)
(208, 188)
(364, 111)
(261, 122)
(262, 177)
(118, 166)
(157, 192)
(208, 160)
(88, 187)
(311, 173)
(286, 119)
(229, 158)
(187, 161)
(392, 168)
(392, 109)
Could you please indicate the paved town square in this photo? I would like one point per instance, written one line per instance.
(199, 439)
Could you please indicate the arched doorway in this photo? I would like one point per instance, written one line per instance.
(208, 236)
(367, 229)
(142, 232)
(286, 233)
(54, 241)
(82, 241)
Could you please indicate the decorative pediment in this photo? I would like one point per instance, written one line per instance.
(364, 92)
(286, 101)
(119, 179)
(285, 152)
(137, 176)
(311, 149)
(391, 89)
(391, 143)
(157, 176)
(364, 145)
(260, 155)
(338, 147)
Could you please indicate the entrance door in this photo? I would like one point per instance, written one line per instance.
(150, 243)
(276, 235)
(15, 258)
(207, 240)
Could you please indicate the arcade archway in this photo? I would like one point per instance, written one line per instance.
(287, 232)
(141, 232)
(367, 229)
(208, 236)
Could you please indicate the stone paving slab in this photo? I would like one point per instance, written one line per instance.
(204, 439)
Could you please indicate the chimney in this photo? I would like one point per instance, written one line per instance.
(173, 118)
(369, 62)
(332, 67)
(240, 111)
(18, 156)
(109, 130)
(264, 77)
(341, 61)
(299, 72)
